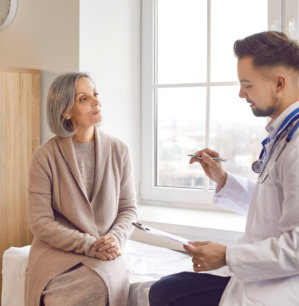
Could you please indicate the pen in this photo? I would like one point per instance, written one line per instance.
(214, 158)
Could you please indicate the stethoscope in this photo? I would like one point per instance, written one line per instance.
(286, 128)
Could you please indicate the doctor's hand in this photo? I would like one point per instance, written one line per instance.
(107, 247)
(211, 167)
(207, 255)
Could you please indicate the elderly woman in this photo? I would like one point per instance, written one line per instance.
(82, 204)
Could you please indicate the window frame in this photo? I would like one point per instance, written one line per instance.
(278, 10)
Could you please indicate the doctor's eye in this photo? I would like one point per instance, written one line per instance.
(248, 86)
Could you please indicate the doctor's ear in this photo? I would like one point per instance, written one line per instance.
(280, 83)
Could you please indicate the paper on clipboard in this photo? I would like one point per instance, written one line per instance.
(156, 232)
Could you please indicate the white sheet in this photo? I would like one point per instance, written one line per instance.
(147, 263)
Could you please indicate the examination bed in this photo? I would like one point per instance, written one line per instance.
(148, 263)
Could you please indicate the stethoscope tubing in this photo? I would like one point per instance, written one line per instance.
(278, 136)
(279, 133)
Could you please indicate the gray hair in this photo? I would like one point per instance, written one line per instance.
(61, 97)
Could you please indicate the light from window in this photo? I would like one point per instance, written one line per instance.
(196, 88)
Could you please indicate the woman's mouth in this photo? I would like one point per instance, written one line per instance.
(96, 112)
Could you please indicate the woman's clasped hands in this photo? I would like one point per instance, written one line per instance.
(107, 247)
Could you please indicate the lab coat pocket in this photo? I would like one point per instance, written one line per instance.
(274, 292)
(252, 294)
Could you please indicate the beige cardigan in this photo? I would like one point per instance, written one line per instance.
(65, 223)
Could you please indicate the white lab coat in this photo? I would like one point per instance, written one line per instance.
(265, 262)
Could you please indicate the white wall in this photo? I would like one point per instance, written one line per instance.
(45, 36)
(98, 36)
(110, 52)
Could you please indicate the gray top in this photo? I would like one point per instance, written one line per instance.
(85, 156)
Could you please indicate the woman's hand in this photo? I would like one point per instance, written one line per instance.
(107, 247)
(211, 167)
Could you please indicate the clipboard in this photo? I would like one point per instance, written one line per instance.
(153, 231)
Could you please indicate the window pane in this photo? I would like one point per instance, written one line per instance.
(181, 131)
(247, 17)
(181, 38)
(234, 131)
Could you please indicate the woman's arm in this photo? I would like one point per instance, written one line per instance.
(127, 208)
(42, 219)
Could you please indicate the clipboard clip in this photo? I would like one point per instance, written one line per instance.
(162, 234)
(141, 227)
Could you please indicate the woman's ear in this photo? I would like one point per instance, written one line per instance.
(66, 116)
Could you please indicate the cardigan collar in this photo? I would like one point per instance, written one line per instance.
(101, 155)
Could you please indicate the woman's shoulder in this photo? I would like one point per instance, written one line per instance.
(114, 142)
(45, 149)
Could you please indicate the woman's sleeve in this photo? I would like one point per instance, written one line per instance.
(236, 194)
(41, 215)
(127, 208)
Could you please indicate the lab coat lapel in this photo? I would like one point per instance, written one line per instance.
(67, 149)
(101, 157)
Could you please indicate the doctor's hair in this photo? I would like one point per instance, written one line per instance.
(61, 97)
(269, 49)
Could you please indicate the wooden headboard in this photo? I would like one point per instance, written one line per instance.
(19, 137)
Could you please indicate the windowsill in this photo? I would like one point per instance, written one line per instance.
(192, 224)
(218, 220)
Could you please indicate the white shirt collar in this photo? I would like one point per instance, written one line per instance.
(274, 125)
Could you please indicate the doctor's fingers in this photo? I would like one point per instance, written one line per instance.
(200, 268)
(197, 248)
(200, 153)
(199, 243)
(207, 151)
(197, 260)
(201, 264)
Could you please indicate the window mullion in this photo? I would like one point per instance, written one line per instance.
(154, 92)
(207, 134)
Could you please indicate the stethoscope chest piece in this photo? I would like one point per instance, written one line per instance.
(257, 166)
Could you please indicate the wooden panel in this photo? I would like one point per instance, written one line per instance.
(19, 137)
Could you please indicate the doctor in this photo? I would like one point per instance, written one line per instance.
(264, 265)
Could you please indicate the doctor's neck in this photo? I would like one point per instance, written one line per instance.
(288, 96)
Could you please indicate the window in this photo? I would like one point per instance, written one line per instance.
(190, 92)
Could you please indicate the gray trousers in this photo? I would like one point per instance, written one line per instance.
(79, 286)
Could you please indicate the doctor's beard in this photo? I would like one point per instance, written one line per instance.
(268, 112)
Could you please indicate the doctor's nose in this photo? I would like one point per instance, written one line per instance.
(242, 93)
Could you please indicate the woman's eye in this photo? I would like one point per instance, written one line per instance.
(83, 99)
(96, 94)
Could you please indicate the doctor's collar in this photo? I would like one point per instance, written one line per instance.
(273, 125)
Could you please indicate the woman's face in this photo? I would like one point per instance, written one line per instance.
(86, 110)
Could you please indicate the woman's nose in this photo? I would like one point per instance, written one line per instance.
(97, 101)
